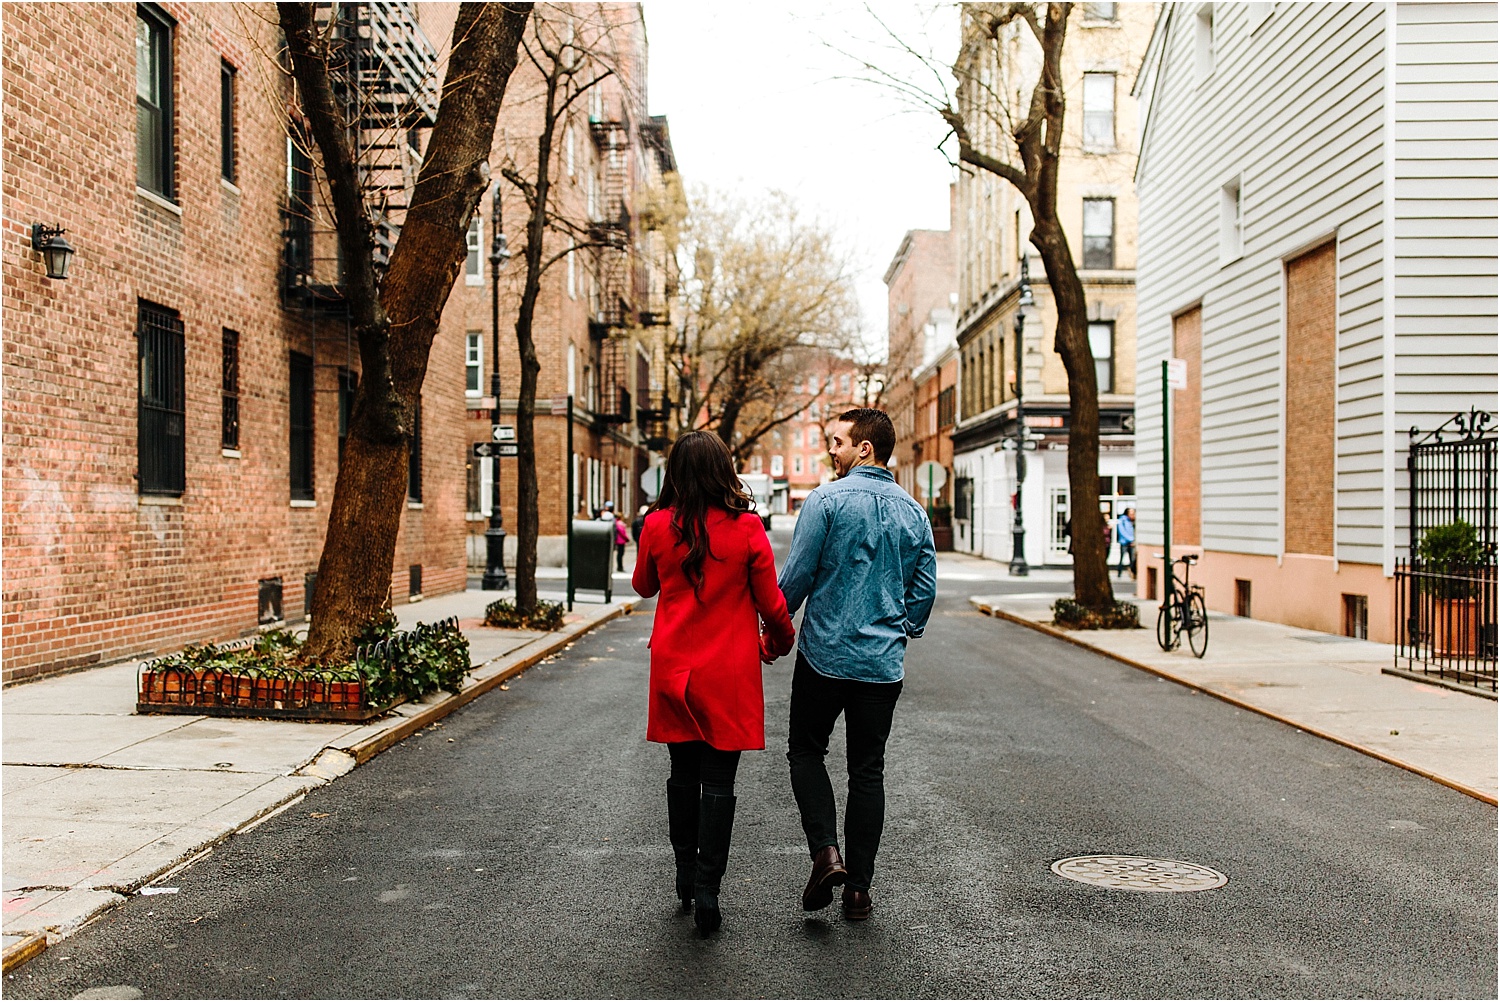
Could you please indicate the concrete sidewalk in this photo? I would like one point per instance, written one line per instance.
(1327, 685)
(99, 802)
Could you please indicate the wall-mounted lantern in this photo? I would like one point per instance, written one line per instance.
(55, 251)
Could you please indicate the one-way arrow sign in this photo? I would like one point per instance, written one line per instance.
(488, 450)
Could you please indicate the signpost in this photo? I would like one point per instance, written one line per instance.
(491, 450)
(1173, 377)
(930, 479)
(651, 481)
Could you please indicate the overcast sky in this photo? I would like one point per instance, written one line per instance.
(755, 102)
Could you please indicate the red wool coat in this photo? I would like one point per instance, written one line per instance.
(705, 648)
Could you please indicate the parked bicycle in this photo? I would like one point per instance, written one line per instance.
(1183, 611)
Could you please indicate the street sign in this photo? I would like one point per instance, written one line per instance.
(1177, 373)
(931, 477)
(488, 450)
(503, 432)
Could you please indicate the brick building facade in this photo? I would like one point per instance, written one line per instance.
(173, 409)
(603, 311)
(921, 296)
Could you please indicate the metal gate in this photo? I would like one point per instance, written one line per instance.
(1446, 616)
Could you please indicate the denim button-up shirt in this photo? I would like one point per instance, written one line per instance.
(863, 560)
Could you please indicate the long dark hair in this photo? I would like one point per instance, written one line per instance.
(700, 476)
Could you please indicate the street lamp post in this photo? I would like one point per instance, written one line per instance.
(1024, 301)
(495, 578)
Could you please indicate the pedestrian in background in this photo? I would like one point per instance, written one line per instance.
(704, 549)
(864, 562)
(1125, 536)
(622, 539)
(638, 522)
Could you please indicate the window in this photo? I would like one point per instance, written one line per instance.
(572, 276)
(755, 464)
(1098, 233)
(1231, 219)
(1357, 616)
(1098, 111)
(300, 449)
(473, 363)
(1204, 41)
(844, 383)
(226, 121)
(945, 411)
(797, 465)
(153, 100)
(229, 435)
(1242, 598)
(797, 438)
(414, 457)
(474, 265)
(348, 383)
(570, 149)
(160, 442)
(778, 466)
(1102, 344)
(1099, 11)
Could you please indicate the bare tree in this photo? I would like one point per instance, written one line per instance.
(1020, 140)
(394, 319)
(571, 56)
(767, 287)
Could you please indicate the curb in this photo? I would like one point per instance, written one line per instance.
(352, 755)
(370, 747)
(23, 951)
(1057, 634)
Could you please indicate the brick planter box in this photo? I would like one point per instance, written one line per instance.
(249, 693)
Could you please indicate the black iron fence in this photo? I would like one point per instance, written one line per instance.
(1446, 623)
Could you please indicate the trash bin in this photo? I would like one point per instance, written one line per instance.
(591, 558)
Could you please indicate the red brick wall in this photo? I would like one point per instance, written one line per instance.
(1311, 343)
(1187, 432)
(92, 573)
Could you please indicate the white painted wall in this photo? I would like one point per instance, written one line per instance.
(1296, 108)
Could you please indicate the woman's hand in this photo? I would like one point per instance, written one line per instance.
(768, 653)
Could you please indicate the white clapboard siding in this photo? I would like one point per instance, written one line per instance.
(1296, 108)
(1446, 188)
(1300, 124)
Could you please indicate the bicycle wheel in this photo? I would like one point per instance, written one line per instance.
(1168, 626)
(1197, 624)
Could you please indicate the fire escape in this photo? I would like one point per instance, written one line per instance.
(610, 228)
(384, 74)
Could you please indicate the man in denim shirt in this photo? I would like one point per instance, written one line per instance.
(863, 560)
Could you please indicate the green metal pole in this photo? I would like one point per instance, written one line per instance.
(568, 502)
(1166, 473)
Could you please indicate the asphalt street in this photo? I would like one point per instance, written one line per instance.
(520, 849)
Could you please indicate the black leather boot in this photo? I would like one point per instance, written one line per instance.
(715, 824)
(682, 828)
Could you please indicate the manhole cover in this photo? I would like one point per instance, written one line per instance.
(1137, 873)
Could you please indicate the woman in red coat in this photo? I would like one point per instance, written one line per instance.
(704, 549)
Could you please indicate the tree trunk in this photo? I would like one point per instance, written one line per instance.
(1091, 587)
(395, 330)
(528, 515)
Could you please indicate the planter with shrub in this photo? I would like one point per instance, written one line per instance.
(1449, 559)
(267, 676)
(1072, 616)
(547, 616)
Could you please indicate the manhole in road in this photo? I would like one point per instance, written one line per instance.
(1138, 873)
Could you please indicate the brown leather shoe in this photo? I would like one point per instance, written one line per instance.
(827, 873)
(857, 904)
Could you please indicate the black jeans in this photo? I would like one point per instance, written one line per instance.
(697, 763)
(619, 556)
(868, 708)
